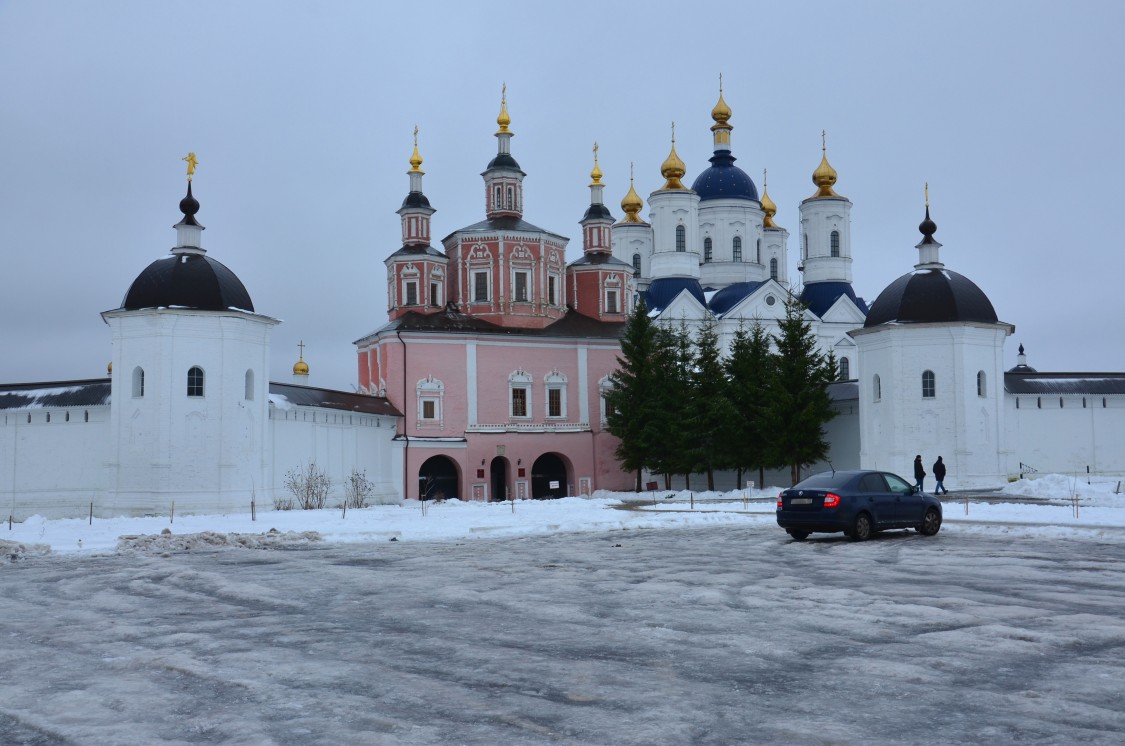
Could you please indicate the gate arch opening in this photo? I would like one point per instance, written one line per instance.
(437, 479)
(549, 477)
(499, 470)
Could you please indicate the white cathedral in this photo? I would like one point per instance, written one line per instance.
(188, 416)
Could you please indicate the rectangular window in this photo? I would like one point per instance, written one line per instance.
(519, 402)
(435, 294)
(554, 403)
(480, 287)
(520, 291)
(429, 409)
(611, 301)
(551, 291)
(411, 293)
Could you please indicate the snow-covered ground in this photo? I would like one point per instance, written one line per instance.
(1052, 504)
(575, 621)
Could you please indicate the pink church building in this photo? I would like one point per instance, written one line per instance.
(497, 351)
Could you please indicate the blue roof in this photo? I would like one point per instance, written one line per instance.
(731, 296)
(724, 180)
(664, 290)
(819, 296)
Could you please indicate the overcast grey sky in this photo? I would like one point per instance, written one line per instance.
(301, 114)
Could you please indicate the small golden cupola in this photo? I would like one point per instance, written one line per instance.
(631, 203)
(722, 127)
(824, 176)
(301, 368)
(768, 207)
(673, 169)
(503, 120)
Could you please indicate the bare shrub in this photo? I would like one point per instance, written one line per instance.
(309, 486)
(282, 502)
(357, 489)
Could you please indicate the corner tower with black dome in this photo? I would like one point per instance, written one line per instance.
(599, 284)
(931, 356)
(189, 382)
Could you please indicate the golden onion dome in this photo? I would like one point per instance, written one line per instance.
(632, 205)
(596, 173)
(824, 176)
(673, 169)
(721, 113)
(503, 119)
(300, 368)
(415, 158)
(109, 368)
(768, 207)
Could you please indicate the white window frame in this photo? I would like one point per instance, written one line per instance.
(519, 380)
(527, 295)
(555, 381)
(432, 390)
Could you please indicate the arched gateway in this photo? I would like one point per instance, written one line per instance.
(437, 479)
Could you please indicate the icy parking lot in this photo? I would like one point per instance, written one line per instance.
(707, 635)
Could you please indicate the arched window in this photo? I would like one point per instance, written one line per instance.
(928, 384)
(138, 381)
(707, 249)
(511, 198)
(876, 389)
(805, 246)
(637, 263)
(195, 381)
(845, 369)
(736, 248)
(834, 243)
(681, 238)
(982, 389)
(249, 385)
(773, 268)
(497, 198)
(758, 253)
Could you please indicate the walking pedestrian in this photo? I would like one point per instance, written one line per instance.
(939, 476)
(919, 472)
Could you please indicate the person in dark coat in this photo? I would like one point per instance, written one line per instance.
(939, 476)
(919, 471)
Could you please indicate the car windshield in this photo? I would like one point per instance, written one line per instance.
(825, 480)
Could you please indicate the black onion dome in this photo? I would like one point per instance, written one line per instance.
(724, 180)
(927, 228)
(931, 296)
(189, 205)
(597, 211)
(416, 199)
(503, 160)
(191, 281)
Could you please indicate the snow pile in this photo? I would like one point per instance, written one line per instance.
(1063, 487)
(166, 541)
(14, 550)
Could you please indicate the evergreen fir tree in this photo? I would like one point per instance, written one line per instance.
(799, 402)
(750, 373)
(633, 401)
(710, 440)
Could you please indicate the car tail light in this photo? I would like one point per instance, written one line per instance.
(831, 500)
(779, 494)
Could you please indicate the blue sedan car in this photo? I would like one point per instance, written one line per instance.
(858, 503)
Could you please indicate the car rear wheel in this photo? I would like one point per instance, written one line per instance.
(861, 530)
(797, 535)
(931, 523)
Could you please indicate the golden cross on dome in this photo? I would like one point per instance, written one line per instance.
(192, 162)
(764, 173)
(824, 141)
(301, 345)
(595, 151)
(673, 132)
(415, 135)
(630, 173)
(720, 84)
(927, 194)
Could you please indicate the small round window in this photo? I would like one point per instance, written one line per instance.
(770, 300)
